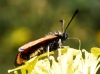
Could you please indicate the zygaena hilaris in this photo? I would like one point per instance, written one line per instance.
(53, 40)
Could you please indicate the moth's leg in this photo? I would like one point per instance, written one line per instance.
(60, 43)
(48, 50)
(60, 46)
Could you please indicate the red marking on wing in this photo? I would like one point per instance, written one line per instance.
(35, 42)
(19, 61)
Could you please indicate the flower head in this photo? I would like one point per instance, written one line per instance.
(69, 61)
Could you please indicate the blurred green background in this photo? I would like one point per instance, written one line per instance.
(22, 21)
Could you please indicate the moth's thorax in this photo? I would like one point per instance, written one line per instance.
(62, 36)
(55, 33)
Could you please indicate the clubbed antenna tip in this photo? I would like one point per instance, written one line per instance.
(72, 19)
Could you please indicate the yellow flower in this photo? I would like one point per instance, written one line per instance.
(69, 61)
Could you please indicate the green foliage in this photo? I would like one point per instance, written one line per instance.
(22, 21)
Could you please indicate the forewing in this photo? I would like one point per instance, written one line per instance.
(35, 42)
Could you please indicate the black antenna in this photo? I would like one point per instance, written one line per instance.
(71, 19)
(62, 21)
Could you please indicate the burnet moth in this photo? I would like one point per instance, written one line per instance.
(53, 40)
